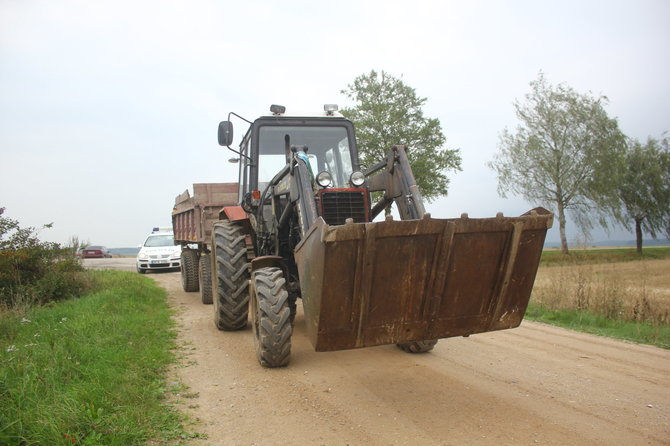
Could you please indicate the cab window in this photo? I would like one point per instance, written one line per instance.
(327, 149)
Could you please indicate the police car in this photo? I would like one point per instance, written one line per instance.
(158, 252)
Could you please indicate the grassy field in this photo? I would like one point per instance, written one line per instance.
(90, 371)
(603, 255)
(612, 292)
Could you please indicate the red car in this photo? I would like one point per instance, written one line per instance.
(95, 252)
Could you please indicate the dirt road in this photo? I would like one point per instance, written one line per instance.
(532, 385)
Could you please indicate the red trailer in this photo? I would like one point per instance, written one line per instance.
(192, 220)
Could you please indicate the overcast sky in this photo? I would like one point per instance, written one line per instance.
(109, 109)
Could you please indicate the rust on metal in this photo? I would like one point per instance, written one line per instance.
(235, 213)
(366, 284)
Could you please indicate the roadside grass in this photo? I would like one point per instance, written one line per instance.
(90, 371)
(586, 322)
(602, 292)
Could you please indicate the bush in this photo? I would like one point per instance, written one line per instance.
(33, 271)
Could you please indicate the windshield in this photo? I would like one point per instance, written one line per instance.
(154, 241)
(328, 149)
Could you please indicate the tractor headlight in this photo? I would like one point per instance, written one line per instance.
(324, 179)
(357, 178)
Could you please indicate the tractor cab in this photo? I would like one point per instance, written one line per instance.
(327, 146)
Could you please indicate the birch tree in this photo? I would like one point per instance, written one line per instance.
(566, 154)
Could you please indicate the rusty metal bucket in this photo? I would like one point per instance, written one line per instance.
(366, 284)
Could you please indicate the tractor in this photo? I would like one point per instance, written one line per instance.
(309, 225)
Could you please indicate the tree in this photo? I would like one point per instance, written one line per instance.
(566, 154)
(645, 188)
(388, 112)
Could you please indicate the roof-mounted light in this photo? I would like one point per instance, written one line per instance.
(277, 109)
(330, 109)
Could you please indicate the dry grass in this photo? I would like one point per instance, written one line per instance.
(630, 291)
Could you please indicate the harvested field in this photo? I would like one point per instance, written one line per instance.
(637, 290)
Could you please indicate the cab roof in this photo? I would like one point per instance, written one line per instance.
(279, 111)
(298, 114)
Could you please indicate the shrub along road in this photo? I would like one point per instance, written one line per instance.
(536, 384)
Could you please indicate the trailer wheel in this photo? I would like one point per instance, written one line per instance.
(271, 317)
(231, 277)
(418, 346)
(205, 276)
(189, 270)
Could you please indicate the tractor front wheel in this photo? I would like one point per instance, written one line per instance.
(418, 346)
(271, 317)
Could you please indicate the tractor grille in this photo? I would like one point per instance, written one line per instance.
(338, 205)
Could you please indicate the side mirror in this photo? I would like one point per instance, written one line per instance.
(225, 133)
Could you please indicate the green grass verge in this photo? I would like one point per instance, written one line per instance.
(640, 332)
(582, 256)
(90, 371)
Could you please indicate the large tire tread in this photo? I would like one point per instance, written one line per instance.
(205, 278)
(231, 279)
(271, 317)
(189, 270)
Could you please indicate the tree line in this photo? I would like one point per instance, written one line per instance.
(566, 154)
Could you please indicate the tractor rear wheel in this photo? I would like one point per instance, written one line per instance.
(189, 270)
(205, 276)
(418, 346)
(231, 277)
(271, 317)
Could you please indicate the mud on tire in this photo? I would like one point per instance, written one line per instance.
(418, 346)
(230, 277)
(189, 270)
(271, 317)
(205, 276)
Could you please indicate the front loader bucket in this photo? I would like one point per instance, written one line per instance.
(366, 284)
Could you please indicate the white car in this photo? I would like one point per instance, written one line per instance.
(158, 253)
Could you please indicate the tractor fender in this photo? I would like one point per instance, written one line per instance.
(236, 214)
(233, 213)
